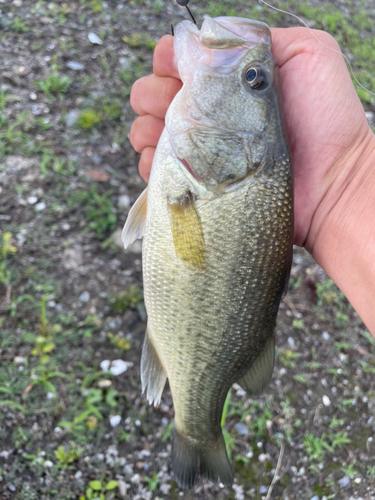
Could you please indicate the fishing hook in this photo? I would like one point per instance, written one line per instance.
(184, 3)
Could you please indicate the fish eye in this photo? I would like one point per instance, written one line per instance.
(256, 77)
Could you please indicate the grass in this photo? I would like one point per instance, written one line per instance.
(98, 210)
(55, 84)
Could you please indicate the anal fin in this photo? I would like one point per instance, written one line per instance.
(153, 374)
(258, 377)
(135, 224)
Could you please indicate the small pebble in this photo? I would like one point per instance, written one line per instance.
(48, 463)
(33, 96)
(94, 39)
(115, 420)
(325, 336)
(326, 400)
(19, 360)
(78, 474)
(344, 482)
(77, 66)
(84, 297)
(31, 200)
(291, 342)
(263, 457)
(124, 201)
(315, 498)
(11, 487)
(263, 490)
(119, 366)
(164, 488)
(71, 117)
(241, 429)
(40, 206)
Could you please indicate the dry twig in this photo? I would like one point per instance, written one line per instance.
(278, 466)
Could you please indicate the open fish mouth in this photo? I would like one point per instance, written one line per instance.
(227, 33)
(220, 43)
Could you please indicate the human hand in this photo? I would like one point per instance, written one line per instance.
(325, 121)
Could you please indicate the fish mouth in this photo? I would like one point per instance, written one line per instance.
(221, 42)
(225, 32)
(231, 32)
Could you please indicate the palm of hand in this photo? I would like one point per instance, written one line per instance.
(324, 120)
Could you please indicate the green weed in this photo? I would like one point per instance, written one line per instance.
(129, 299)
(6, 249)
(42, 376)
(288, 358)
(18, 26)
(50, 164)
(121, 343)
(152, 482)
(97, 490)
(130, 75)
(55, 84)
(66, 457)
(139, 40)
(89, 118)
(98, 209)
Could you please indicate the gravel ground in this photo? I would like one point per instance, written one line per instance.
(73, 423)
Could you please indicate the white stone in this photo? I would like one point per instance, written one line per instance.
(119, 366)
(263, 457)
(71, 117)
(326, 400)
(84, 297)
(40, 206)
(94, 39)
(105, 364)
(124, 201)
(114, 420)
(50, 395)
(77, 66)
(31, 200)
(344, 482)
(19, 359)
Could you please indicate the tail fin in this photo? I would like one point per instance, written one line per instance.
(212, 459)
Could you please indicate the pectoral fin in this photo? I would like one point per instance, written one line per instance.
(135, 224)
(259, 375)
(187, 232)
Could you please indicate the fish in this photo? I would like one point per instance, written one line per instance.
(217, 223)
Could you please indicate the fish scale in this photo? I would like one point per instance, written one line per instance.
(216, 255)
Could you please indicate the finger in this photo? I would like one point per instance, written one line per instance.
(153, 94)
(164, 60)
(289, 42)
(145, 131)
(145, 162)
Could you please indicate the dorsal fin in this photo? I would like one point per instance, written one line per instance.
(135, 224)
(258, 377)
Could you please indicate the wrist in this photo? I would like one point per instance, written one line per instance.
(342, 233)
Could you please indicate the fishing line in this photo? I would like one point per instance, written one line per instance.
(330, 48)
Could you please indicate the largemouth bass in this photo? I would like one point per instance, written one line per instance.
(217, 222)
